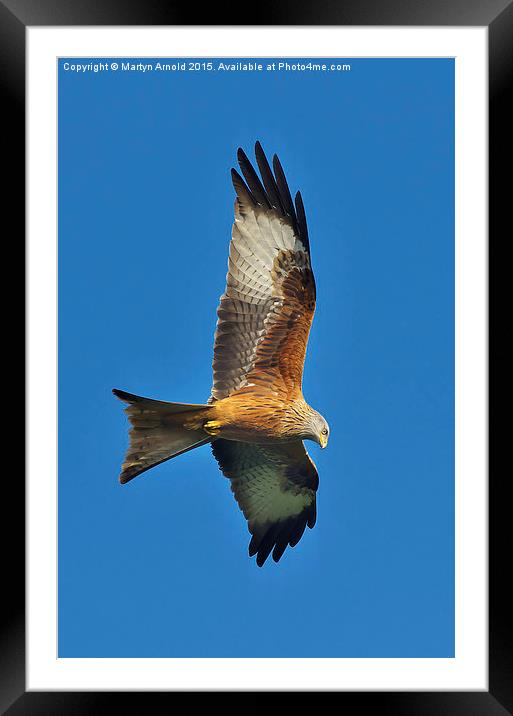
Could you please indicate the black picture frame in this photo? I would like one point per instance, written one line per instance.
(497, 15)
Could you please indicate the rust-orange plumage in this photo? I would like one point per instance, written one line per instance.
(256, 417)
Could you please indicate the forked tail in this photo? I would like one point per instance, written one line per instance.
(159, 431)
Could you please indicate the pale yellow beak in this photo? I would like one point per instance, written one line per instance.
(323, 440)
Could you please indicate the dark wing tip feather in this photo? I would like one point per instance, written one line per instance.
(244, 194)
(301, 221)
(312, 515)
(297, 531)
(284, 190)
(281, 546)
(253, 547)
(252, 180)
(267, 544)
(273, 195)
(278, 536)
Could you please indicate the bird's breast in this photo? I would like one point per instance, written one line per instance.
(257, 420)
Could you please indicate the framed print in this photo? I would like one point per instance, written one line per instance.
(147, 587)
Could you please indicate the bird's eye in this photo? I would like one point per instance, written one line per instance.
(324, 431)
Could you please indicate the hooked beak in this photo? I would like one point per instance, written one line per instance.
(323, 440)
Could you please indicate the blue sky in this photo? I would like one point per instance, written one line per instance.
(159, 567)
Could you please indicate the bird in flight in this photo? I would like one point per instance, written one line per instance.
(256, 418)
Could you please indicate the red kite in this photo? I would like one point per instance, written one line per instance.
(256, 417)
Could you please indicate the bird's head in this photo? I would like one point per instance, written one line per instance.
(318, 429)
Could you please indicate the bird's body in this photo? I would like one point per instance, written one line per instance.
(247, 417)
(256, 417)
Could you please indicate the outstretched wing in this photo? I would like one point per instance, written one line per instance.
(266, 311)
(275, 488)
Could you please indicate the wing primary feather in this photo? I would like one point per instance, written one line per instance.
(251, 177)
(280, 548)
(312, 516)
(301, 221)
(266, 545)
(283, 188)
(253, 546)
(244, 194)
(268, 178)
(297, 532)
